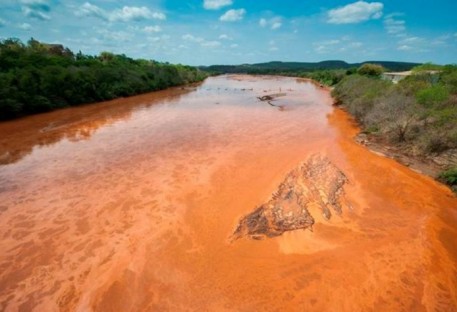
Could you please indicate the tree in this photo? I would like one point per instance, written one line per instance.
(432, 96)
(395, 113)
(40, 77)
(368, 69)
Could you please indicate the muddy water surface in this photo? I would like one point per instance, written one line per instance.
(129, 205)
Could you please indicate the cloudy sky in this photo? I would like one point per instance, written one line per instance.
(203, 32)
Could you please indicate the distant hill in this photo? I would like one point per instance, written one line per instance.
(272, 67)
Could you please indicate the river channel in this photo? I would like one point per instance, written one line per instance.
(130, 205)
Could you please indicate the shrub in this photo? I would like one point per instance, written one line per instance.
(449, 176)
(358, 94)
(432, 96)
(413, 84)
(449, 78)
(370, 70)
(395, 113)
(427, 66)
(434, 141)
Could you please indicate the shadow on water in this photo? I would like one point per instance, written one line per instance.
(19, 137)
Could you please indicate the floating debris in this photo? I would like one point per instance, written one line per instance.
(271, 97)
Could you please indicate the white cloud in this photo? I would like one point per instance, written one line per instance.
(162, 38)
(88, 9)
(442, 40)
(216, 4)
(35, 14)
(201, 41)
(394, 26)
(356, 12)
(321, 49)
(415, 44)
(189, 37)
(125, 14)
(25, 26)
(152, 29)
(276, 25)
(343, 44)
(404, 47)
(234, 45)
(327, 45)
(263, 22)
(115, 36)
(272, 23)
(225, 37)
(356, 44)
(233, 15)
(2, 22)
(330, 42)
(273, 46)
(412, 40)
(41, 5)
(210, 44)
(37, 9)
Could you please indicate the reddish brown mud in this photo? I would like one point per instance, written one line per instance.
(128, 206)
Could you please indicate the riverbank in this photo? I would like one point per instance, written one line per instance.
(38, 77)
(429, 165)
(412, 122)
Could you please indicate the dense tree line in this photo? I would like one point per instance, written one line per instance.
(420, 112)
(295, 68)
(326, 72)
(37, 77)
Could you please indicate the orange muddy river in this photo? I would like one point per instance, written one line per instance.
(129, 205)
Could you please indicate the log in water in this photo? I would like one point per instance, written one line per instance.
(129, 205)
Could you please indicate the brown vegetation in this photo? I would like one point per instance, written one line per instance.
(419, 114)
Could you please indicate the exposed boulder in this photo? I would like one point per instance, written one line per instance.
(316, 182)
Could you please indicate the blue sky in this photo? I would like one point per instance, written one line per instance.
(204, 32)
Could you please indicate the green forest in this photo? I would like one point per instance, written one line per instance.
(326, 72)
(419, 112)
(36, 77)
(300, 68)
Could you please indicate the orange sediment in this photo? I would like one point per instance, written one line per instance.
(128, 206)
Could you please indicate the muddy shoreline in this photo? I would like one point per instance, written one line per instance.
(430, 165)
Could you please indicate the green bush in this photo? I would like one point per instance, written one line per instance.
(449, 78)
(372, 70)
(358, 93)
(449, 176)
(427, 66)
(432, 96)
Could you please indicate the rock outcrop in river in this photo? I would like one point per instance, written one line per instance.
(316, 182)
